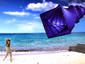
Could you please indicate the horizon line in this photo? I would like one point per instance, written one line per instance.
(31, 33)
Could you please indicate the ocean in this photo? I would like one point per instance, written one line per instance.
(39, 41)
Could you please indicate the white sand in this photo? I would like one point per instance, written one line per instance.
(44, 58)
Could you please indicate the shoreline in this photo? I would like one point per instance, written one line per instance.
(35, 50)
(32, 52)
(44, 57)
(39, 49)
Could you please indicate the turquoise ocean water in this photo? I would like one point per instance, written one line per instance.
(39, 41)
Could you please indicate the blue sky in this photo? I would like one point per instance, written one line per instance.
(22, 16)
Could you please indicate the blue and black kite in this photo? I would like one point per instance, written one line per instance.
(60, 21)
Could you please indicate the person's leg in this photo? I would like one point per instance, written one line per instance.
(5, 56)
(10, 56)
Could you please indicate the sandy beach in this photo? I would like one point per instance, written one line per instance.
(44, 57)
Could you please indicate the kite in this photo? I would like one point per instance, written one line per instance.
(60, 20)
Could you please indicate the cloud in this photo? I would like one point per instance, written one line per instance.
(44, 1)
(41, 6)
(31, 27)
(84, 16)
(80, 4)
(37, 17)
(10, 21)
(16, 13)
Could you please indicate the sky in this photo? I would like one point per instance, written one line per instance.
(22, 16)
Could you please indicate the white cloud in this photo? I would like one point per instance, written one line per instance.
(10, 21)
(80, 4)
(16, 13)
(31, 27)
(41, 6)
(37, 17)
(84, 15)
(34, 14)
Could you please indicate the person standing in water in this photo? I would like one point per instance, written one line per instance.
(8, 49)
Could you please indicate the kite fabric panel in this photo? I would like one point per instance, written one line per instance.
(60, 21)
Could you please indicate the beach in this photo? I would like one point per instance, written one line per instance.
(44, 57)
(41, 50)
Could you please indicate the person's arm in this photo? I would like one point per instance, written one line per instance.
(12, 48)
